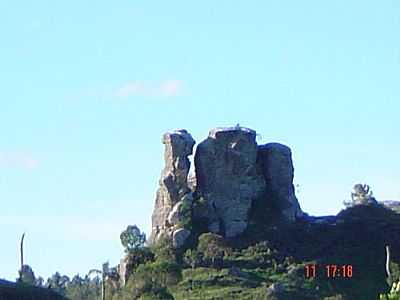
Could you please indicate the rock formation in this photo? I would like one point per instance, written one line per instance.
(227, 178)
(393, 205)
(275, 162)
(173, 183)
(124, 270)
(231, 172)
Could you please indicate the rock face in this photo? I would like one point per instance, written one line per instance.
(123, 270)
(173, 183)
(179, 237)
(393, 205)
(231, 172)
(275, 162)
(227, 178)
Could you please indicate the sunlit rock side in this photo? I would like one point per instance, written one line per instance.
(227, 178)
(231, 173)
(173, 182)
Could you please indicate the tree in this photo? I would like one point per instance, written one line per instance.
(83, 288)
(361, 195)
(137, 257)
(154, 278)
(58, 283)
(104, 272)
(39, 281)
(132, 238)
(26, 275)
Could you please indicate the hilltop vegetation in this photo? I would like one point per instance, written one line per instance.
(235, 230)
(269, 263)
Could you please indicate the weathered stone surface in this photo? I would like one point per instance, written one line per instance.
(173, 183)
(231, 172)
(192, 182)
(174, 216)
(275, 162)
(225, 165)
(179, 237)
(123, 270)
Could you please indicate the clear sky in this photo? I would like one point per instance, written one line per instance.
(89, 87)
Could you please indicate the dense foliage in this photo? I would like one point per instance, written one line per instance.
(132, 238)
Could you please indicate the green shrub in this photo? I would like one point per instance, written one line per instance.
(152, 279)
(139, 256)
(163, 249)
(211, 246)
(185, 212)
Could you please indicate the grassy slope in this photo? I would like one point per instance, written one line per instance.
(359, 240)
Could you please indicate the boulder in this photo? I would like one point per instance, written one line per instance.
(276, 291)
(275, 162)
(179, 237)
(174, 216)
(226, 177)
(173, 182)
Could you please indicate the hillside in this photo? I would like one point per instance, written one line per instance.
(12, 291)
(235, 230)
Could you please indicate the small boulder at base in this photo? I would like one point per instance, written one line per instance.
(179, 237)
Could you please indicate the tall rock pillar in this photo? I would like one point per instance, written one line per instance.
(275, 162)
(173, 187)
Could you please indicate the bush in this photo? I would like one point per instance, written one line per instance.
(163, 249)
(151, 279)
(139, 256)
(159, 294)
(185, 212)
(212, 247)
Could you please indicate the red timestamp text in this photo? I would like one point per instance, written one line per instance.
(329, 271)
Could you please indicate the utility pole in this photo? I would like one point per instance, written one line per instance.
(389, 275)
(22, 256)
(104, 272)
(103, 286)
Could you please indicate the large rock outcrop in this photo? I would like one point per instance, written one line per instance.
(227, 178)
(231, 173)
(173, 183)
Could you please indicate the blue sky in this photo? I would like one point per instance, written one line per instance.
(89, 87)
